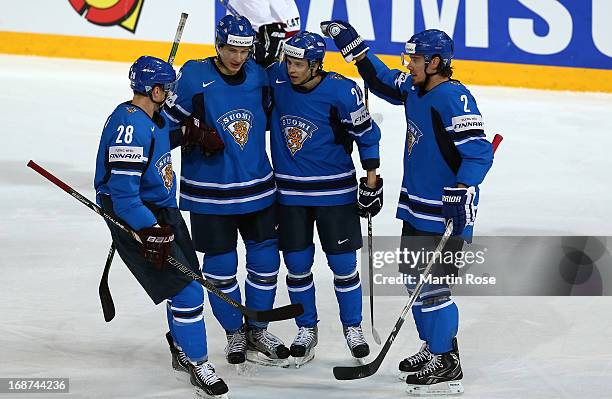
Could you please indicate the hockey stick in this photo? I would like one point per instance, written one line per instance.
(366, 370)
(229, 7)
(108, 307)
(282, 313)
(496, 140)
(375, 334)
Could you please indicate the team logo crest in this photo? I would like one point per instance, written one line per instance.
(238, 124)
(414, 134)
(124, 13)
(296, 130)
(164, 168)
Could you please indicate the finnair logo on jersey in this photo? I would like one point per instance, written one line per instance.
(164, 168)
(125, 154)
(360, 116)
(238, 124)
(296, 130)
(414, 134)
(467, 122)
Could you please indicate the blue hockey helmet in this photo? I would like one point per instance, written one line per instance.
(235, 31)
(430, 43)
(149, 71)
(305, 45)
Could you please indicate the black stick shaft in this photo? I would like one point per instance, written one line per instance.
(282, 313)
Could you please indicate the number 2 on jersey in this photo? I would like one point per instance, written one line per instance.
(465, 103)
(127, 138)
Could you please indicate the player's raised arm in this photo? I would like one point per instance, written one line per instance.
(388, 84)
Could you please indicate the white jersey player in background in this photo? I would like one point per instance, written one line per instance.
(274, 21)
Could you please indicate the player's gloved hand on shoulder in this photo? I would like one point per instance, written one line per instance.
(458, 206)
(270, 39)
(197, 134)
(370, 199)
(346, 38)
(156, 244)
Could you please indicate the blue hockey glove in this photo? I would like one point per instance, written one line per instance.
(346, 38)
(458, 206)
(370, 199)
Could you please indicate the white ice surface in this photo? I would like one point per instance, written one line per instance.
(550, 177)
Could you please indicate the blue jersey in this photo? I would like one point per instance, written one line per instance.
(239, 179)
(445, 142)
(310, 134)
(134, 165)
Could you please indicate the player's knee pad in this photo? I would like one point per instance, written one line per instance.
(299, 265)
(220, 270)
(187, 306)
(262, 257)
(344, 267)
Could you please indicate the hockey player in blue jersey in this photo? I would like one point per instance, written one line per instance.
(445, 159)
(227, 183)
(134, 182)
(315, 119)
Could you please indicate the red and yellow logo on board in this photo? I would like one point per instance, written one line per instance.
(124, 13)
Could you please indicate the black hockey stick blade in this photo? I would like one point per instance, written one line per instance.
(344, 373)
(108, 307)
(277, 314)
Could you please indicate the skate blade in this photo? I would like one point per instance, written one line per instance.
(201, 394)
(441, 388)
(300, 361)
(263, 360)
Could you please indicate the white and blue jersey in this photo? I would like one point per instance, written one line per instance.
(445, 142)
(134, 165)
(309, 133)
(239, 179)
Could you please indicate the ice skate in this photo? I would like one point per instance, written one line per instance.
(180, 363)
(441, 376)
(206, 382)
(356, 343)
(266, 349)
(414, 363)
(302, 348)
(235, 351)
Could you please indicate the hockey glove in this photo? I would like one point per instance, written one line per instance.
(370, 199)
(458, 206)
(346, 38)
(156, 244)
(199, 135)
(270, 39)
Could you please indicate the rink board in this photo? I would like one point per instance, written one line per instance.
(545, 44)
(470, 72)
